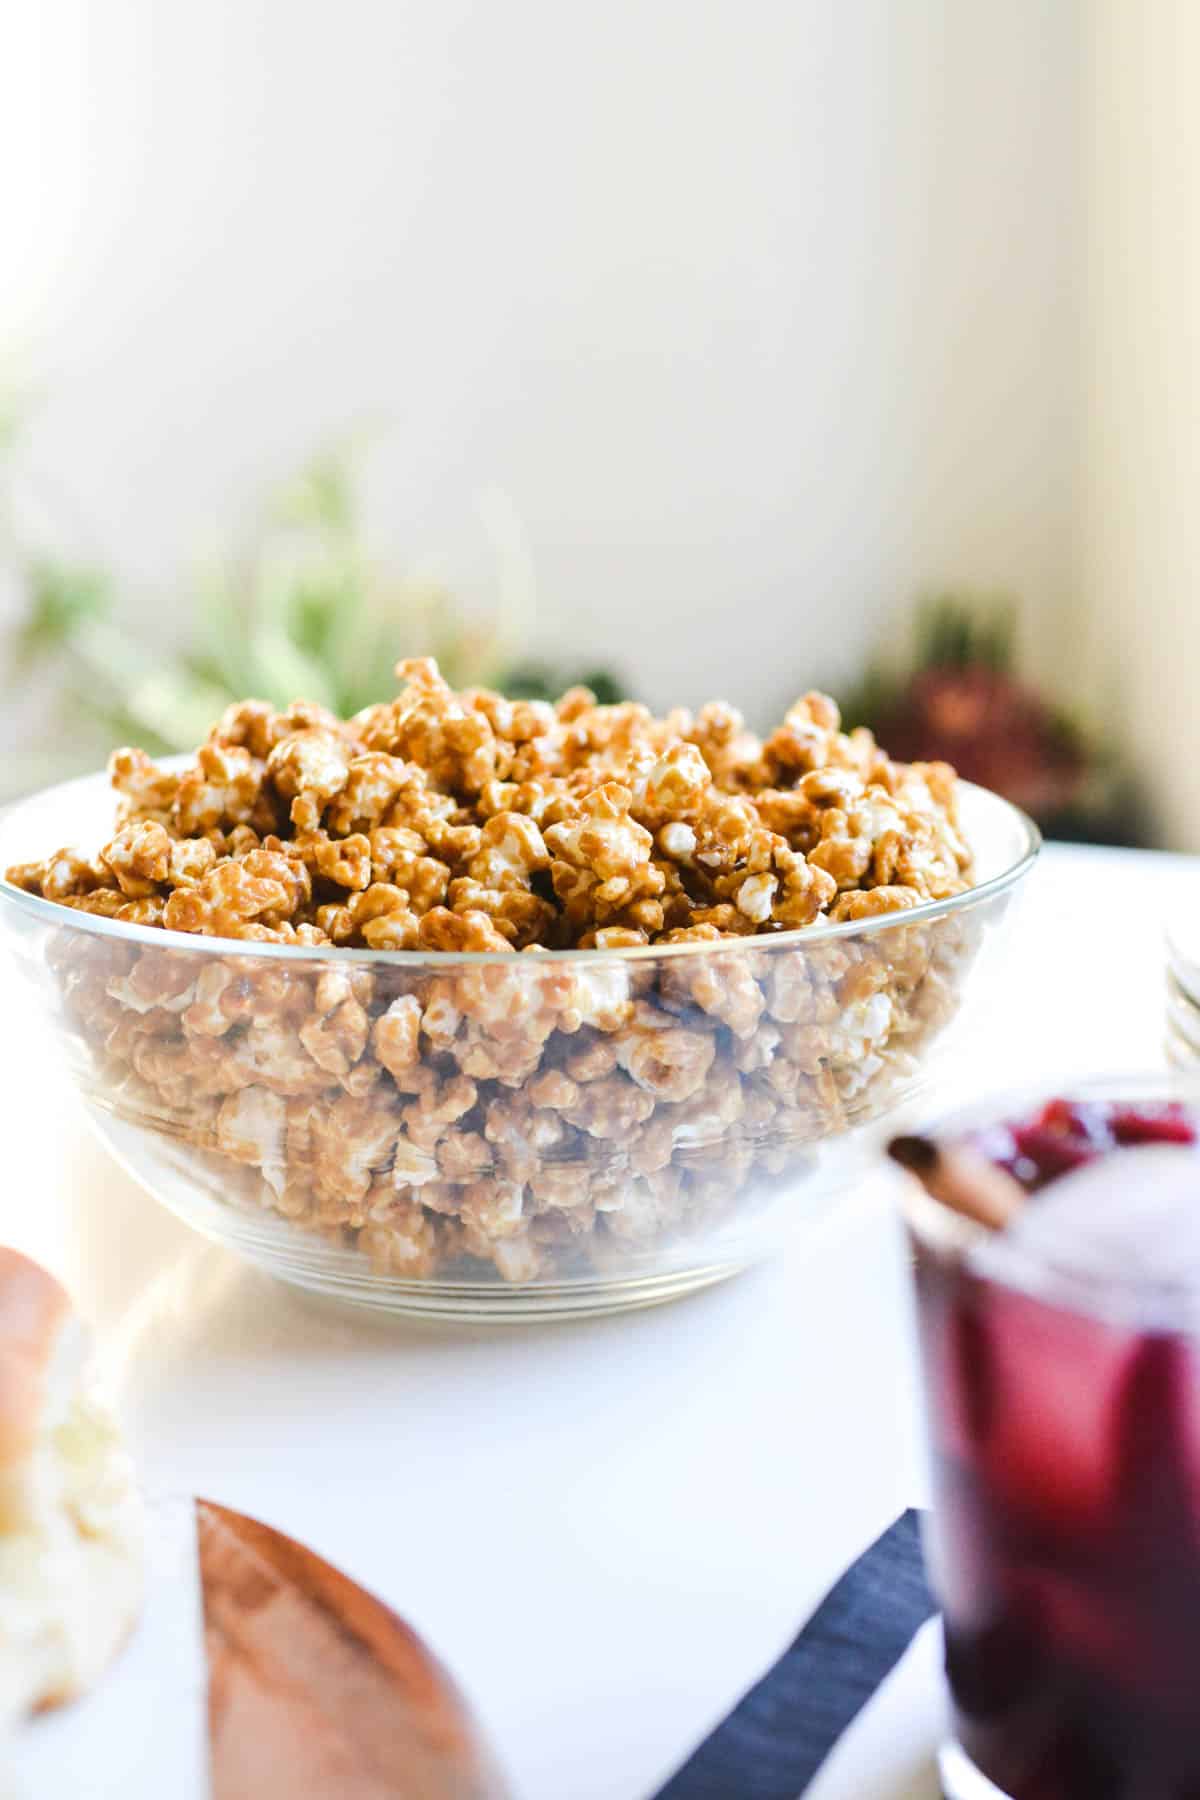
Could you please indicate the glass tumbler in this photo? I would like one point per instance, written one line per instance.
(1064, 1538)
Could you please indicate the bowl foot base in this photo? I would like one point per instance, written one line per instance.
(506, 1305)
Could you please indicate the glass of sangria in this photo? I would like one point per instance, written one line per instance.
(1061, 1355)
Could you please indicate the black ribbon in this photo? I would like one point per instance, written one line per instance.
(776, 1738)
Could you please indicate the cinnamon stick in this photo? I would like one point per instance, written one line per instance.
(960, 1179)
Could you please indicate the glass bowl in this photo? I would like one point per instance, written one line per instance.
(496, 1135)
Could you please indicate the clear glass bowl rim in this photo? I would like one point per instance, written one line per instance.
(1122, 1300)
(50, 912)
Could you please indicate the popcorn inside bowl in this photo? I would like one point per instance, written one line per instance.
(538, 1114)
(444, 821)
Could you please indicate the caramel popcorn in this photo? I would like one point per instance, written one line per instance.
(536, 1113)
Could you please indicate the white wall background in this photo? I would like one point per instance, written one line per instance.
(761, 311)
(1141, 514)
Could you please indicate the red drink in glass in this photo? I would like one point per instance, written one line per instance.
(1064, 1545)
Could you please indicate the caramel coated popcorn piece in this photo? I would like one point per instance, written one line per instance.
(456, 746)
(604, 839)
(375, 785)
(146, 790)
(251, 725)
(674, 789)
(511, 851)
(403, 1242)
(189, 860)
(869, 903)
(308, 768)
(350, 1140)
(222, 790)
(379, 917)
(336, 1035)
(602, 872)
(105, 903)
(396, 1037)
(139, 857)
(345, 861)
(250, 1127)
(64, 876)
(227, 900)
(441, 929)
(402, 857)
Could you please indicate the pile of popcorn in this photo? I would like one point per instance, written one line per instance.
(533, 1113)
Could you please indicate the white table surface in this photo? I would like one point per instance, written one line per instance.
(609, 1529)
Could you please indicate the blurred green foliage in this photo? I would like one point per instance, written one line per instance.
(545, 681)
(301, 610)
